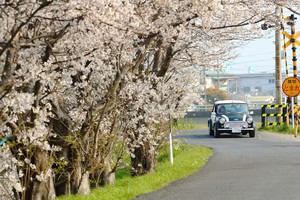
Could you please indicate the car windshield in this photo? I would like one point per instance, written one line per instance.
(232, 108)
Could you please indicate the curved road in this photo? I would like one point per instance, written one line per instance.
(266, 167)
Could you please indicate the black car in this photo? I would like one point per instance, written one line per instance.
(232, 117)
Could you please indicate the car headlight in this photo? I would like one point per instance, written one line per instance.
(249, 120)
(222, 120)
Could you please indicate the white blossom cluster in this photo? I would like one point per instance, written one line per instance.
(8, 174)
(111, 71)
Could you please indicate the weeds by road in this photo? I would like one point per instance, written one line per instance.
(187, 160)
(282, 129)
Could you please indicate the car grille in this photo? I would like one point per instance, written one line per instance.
(239, 124)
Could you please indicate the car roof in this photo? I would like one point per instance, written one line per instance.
(228, 101)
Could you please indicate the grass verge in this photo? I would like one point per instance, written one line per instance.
(183, 125)
(187, 160)
(282, 129)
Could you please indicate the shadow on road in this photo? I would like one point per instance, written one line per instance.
(194, 134)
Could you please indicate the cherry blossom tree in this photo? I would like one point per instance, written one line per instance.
(81, 82)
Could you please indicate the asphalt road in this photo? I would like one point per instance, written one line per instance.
(266, 167)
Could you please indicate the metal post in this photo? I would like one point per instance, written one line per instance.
(293, 122)
(285, 113)
(170, 140)
(263, 118)
(296, 125)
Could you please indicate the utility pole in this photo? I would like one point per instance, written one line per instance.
(278, 73)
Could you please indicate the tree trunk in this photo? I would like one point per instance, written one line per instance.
(63, 178)
(104, 176)
(75, 180)
(79, 179)
(143, 163)
(107, 176)
(44, 189)
(84, 186)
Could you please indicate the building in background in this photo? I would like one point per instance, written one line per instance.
(254, 88)
(252, 84)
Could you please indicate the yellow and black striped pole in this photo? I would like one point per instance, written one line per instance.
(293, 41)
(294, 48)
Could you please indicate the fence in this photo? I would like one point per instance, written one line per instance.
(286, 113)
(265, 116)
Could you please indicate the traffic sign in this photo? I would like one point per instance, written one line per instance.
(291, 39)
(291, 86)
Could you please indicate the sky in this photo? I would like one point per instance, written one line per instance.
(259, 55)
(256, 57)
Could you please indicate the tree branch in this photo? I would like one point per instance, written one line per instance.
(17, 29)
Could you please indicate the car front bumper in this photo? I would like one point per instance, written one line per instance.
(236, 127)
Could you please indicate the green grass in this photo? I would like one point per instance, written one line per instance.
(182, 125)
(282, 129)
(187, 160)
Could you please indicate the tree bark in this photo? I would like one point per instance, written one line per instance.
(157, 56)
(107, 176)
(84, 186)
(80, 178)
(143, 163)
(103, 176)
(44, 189)
(167, 61)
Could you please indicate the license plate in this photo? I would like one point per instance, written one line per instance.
(236, 130)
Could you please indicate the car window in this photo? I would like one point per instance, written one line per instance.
(241, 108)
(232, 108)
(221, 109)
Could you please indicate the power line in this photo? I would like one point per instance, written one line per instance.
(250, 55)
(253, 61)
(250, 61)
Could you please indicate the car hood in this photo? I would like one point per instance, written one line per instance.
(235, 117)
